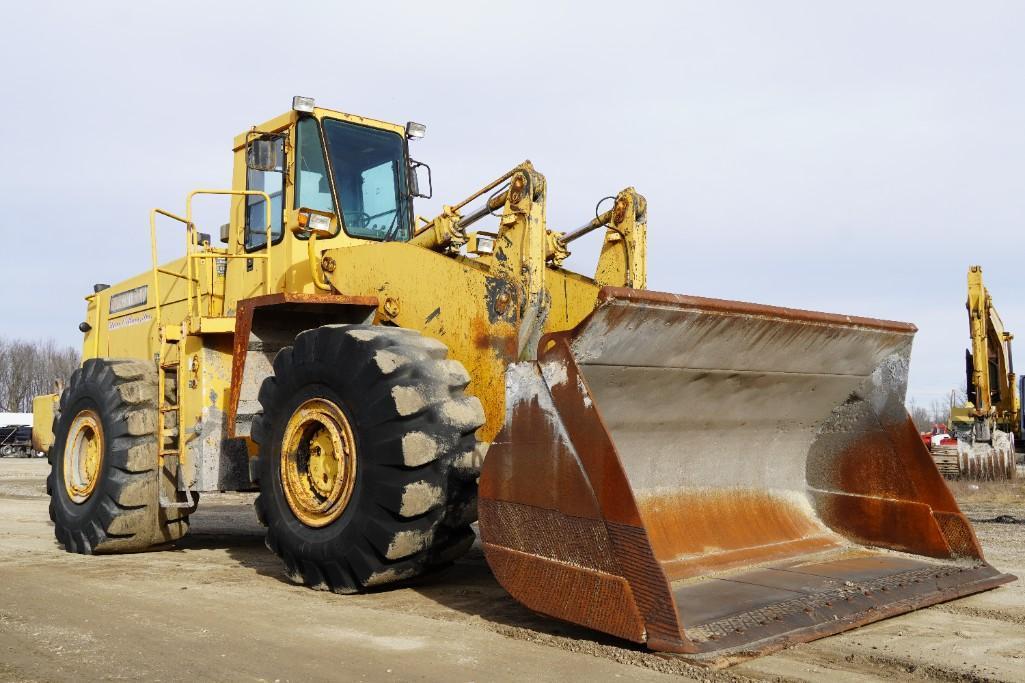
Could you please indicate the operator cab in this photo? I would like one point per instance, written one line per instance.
(355, 170)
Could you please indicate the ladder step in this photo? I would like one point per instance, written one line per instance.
(191, 501)
(168, 434)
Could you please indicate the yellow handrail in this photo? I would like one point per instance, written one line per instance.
(267, 243)
(191, 255)
(153, 255)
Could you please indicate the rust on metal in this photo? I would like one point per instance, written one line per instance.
(584, 481)
(743, 307)
(245, 310)
(318, 462)
(719, 479)
(727, 528)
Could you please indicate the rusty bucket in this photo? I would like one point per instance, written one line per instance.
(720, 479)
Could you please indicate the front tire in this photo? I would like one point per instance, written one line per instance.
(104, 481)
(368, 457)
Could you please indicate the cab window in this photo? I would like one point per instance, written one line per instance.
(369, 169)
(312, 185)
(273, 183)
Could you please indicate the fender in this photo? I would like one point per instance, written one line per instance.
(264, 325)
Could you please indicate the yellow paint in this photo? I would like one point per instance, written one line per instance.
(44, 408)
(992, 375)
(318, 462)
(83, 456)
(489, 307)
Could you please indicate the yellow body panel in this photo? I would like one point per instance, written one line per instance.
(993, 381)
(489, 308)
(635, 506)
(132, 333)
(44, 409)
(458, 302)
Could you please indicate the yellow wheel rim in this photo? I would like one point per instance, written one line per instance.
(83, 456)
(318, 462)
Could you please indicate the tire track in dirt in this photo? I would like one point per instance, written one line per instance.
(1015, 617)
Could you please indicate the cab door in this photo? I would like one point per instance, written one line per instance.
(265, 165)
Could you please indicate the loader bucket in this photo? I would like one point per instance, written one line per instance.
(720, 479)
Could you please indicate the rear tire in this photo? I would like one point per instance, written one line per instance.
(417, 459)
(111, 501)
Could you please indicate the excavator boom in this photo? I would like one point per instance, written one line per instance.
(991, 378)
(988, 425)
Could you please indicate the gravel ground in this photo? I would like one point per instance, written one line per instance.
(217, 607)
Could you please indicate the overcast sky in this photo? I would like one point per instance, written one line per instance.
(846, 157)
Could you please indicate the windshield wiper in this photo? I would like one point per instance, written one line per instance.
(393, 228)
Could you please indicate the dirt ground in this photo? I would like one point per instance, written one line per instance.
(218, 607)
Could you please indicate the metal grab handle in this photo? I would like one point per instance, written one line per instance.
(267, 219)
(153, 255)
(191, 255)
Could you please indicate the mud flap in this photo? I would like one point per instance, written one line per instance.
(720, 479)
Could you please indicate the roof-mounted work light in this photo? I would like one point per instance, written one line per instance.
(303, 104)
(415, 130)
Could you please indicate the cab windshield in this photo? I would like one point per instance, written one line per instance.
(370, 180)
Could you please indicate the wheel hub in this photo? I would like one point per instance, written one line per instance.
(83, 456)
(318, 462)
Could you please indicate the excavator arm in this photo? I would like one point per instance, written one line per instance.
(992, 388)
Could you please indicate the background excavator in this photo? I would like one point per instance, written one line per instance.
(711, 478)
(988, 427)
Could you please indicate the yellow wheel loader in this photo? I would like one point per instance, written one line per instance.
(706, 477)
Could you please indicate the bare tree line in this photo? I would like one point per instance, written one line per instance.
(937, 412)
(29, 368)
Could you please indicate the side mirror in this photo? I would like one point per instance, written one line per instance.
(418, 178)
(262, 155)
(226, 233)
